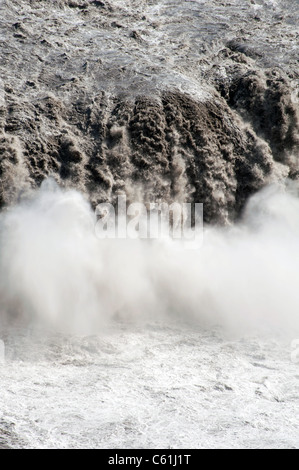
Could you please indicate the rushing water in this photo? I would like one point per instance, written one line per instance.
(128, 343)
(141, 343)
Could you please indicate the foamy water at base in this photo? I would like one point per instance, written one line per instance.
(148, 386)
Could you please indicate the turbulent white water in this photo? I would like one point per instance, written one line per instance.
(153, 387)
(144, 343)
(140, 343)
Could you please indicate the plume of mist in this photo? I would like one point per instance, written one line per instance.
(57, 273)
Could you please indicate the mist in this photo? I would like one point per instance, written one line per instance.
(56, 273)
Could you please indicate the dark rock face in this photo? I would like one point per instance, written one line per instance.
(160, 101)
